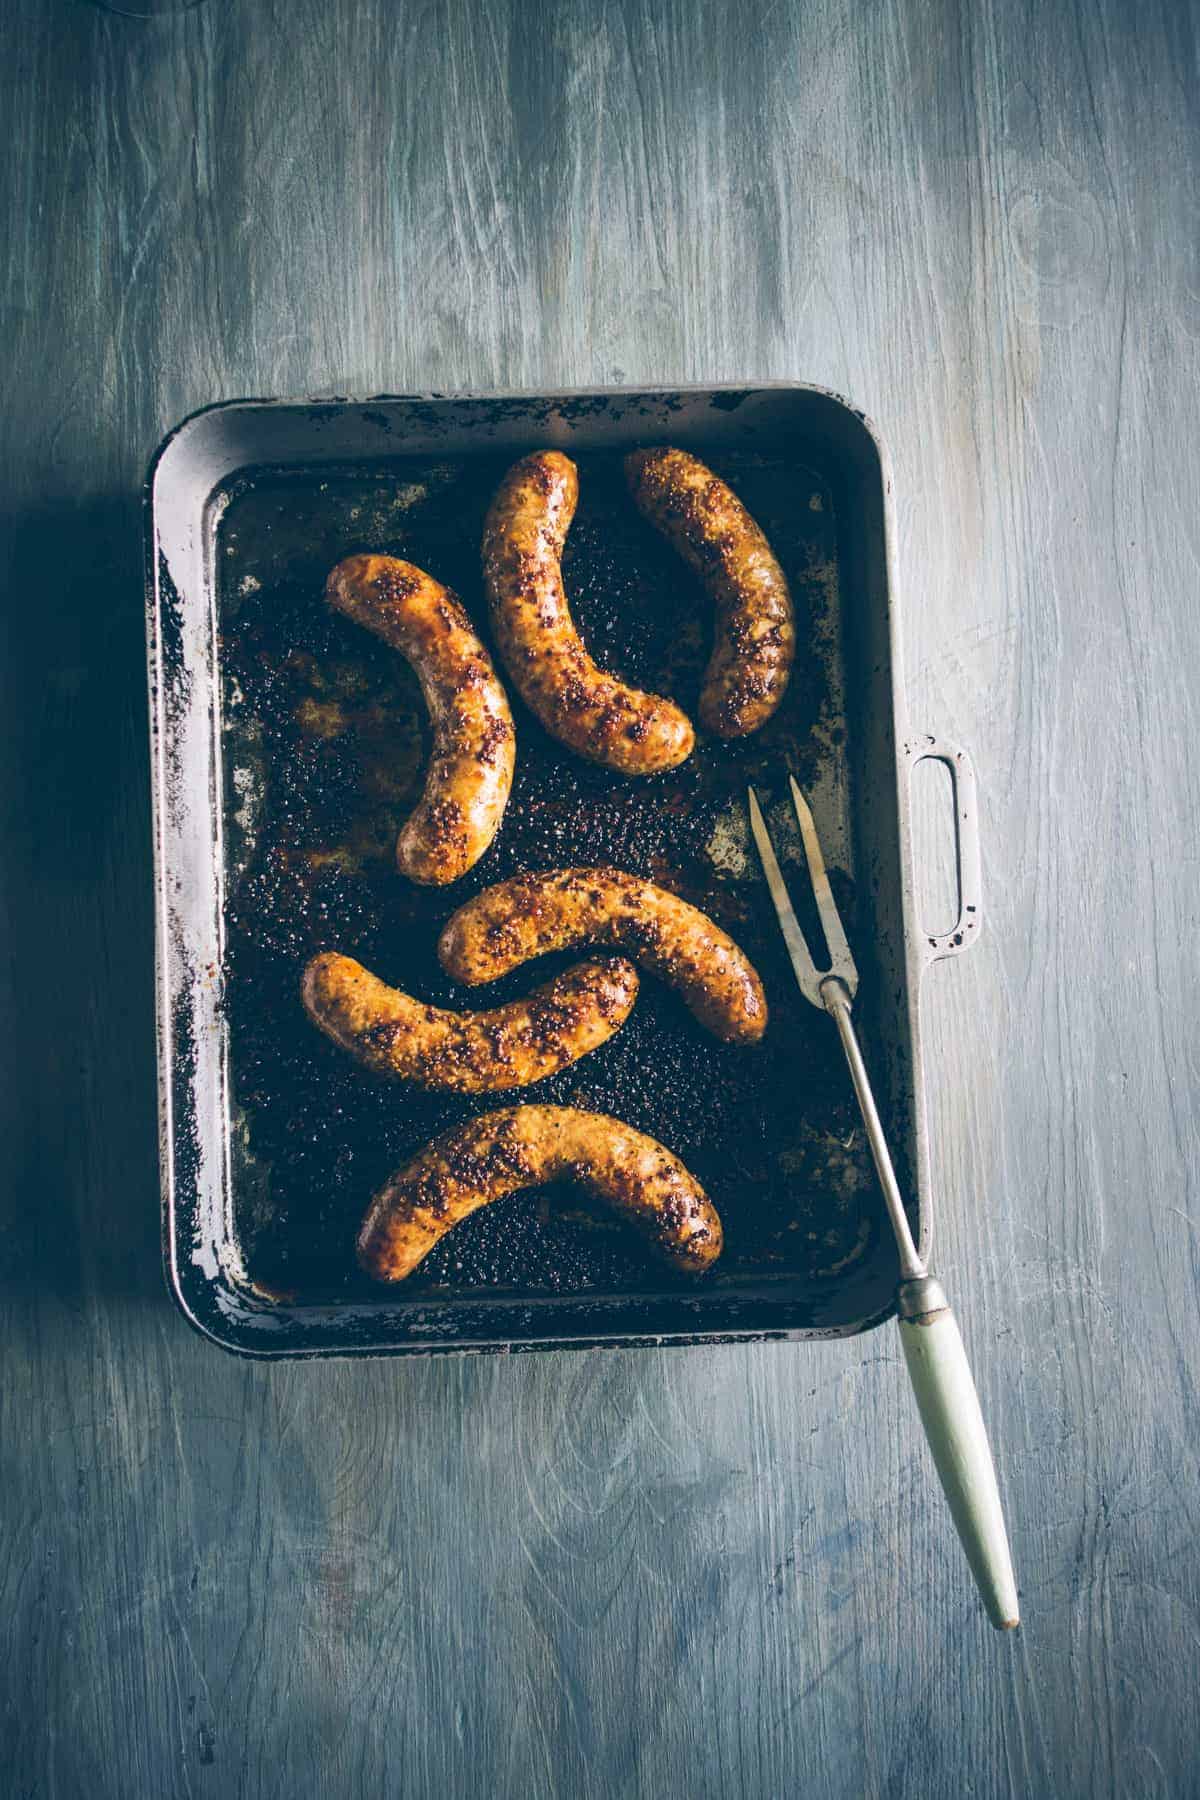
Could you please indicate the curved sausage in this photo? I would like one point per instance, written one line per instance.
(755, 641)
(563, 909)
(468, 1053)
(524, 1146)
(592, 713)
(471, 766)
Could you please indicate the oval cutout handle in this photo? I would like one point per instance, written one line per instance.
(965, 931)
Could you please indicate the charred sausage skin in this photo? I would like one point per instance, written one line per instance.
(592, 713)
(470, 768)
(500, 1152)
(564, 909)
(755, 636)
(468, 1053)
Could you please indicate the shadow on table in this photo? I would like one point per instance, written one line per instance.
(78, 1124)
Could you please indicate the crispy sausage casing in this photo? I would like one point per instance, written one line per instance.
(563, 909)
(471, 765)
(594, 714)
(755, 639)
(524, 1146)
(468, 1053)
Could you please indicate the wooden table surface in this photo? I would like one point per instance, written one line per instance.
(720, 1572)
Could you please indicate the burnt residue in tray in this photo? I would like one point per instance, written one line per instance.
(324, 744)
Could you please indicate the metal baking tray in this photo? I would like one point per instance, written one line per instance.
(287, 746)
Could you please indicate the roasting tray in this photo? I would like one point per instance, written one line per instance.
(287, 745)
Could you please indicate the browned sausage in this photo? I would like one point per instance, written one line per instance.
(471, 766)
(563, 909)
(594, 714)
(524, 1146)
(468, 1053)
(755, 640)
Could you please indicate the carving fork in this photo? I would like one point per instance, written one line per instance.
(933, 1348)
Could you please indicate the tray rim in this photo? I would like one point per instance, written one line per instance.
(232, 1338)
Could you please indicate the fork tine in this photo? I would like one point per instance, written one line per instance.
(841, 961)
(793, 937)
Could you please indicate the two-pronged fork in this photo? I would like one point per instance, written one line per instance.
(933, 1348)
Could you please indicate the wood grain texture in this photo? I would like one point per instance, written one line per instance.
(718, 1572)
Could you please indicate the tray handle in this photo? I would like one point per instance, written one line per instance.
(964, 933)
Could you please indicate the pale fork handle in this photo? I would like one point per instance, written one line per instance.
(949, 1408)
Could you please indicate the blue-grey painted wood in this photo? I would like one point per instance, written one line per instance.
(721, 1572)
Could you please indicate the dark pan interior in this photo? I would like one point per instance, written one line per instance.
(323, 746)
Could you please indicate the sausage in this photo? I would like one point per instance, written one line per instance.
(563, 909)
(523, 1146)
(755, 639)
(468, 1053)
(471, 764)
(592, 713)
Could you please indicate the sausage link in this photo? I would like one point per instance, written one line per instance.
(468, 1053)
(592, 713)
(523, 1146)
(755, 638)
(471, 764)
(563, 909)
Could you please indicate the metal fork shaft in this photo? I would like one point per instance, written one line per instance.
(837, 1004)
